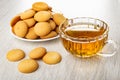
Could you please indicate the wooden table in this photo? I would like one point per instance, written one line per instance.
(70, 68)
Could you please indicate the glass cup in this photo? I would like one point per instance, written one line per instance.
(86, 37)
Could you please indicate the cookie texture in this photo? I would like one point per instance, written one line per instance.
(15, 55)
(42, 28)
(28, 66)
(30, 22)
(40, 6)
(27, 14)
(52, 24)
(20, 28)
(58, 18)
(50, 35)
(31, 34)
(42, 16)
(37, 53)
(52, 57)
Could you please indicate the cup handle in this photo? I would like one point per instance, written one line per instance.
(109, 49)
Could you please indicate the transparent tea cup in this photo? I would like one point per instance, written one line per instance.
(86, 37)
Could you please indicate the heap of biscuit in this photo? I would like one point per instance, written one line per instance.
(40, 22)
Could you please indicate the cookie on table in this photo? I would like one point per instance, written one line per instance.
(52, 57)
(15, 55)
(37, 53)
(28, 66)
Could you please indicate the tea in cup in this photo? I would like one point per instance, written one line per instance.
(85, 37)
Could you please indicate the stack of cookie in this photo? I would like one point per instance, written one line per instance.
(40, 22)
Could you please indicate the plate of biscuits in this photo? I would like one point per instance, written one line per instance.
(38, 23)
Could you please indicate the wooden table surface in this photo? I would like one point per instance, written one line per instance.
(70, 68)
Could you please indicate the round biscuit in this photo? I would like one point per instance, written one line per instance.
(20, 28)
(42, 16)
(30, 22)
(42, 28)
(37, 53)
(52, 57)
(58, 18)
(15, 55)
(50, 35)
(28, 66)
(31, 34)
(40, 6)
(27, 14)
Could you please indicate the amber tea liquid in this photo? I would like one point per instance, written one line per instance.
(84, 41)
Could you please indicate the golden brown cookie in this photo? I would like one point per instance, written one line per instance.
(20, 28)
(28, 66)
(31, 34)
(42, 16)
(40, 6)
(50, 35)
(30, 22)
(14, 20)
(52, 58)
(52, 24)
(15, 55)
(27, 14)
(37, 53)
(58, 18)
(42, 28)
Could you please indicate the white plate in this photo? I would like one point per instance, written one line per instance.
(36, 40)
